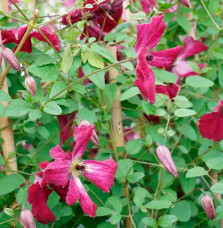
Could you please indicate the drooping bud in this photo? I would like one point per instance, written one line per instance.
(94, 136)
(30, 84)
(27, 219)
(0, 56)
(165, 157)
(11, 59)
(208, 206)
(185, 3)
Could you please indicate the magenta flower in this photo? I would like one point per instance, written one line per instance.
(192, 47)
(211, 125)
(147, 5)
(68, 3)
(15, 36)
(208, 206)
(101, 173)
(38, 194)
(148, 36)
(165, 157)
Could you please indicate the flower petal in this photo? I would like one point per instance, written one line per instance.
(211, 126)
(145, 79)
(77, 191)
(147, 5)
(101, 173)
(82, 135)
(148, 35)
(58, 172)
(183, 69)
(191, 47)
(170, 90)
(38, 196)
(165, 58)
(58, 153)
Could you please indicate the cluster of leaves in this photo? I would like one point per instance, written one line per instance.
(76, 80)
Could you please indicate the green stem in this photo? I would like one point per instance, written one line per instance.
(17, 7)
(15, 171)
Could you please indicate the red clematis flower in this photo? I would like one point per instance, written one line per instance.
(102, 17)
(38, 194)
(101, 173)
(15, 36)
(147, 5)
(211, 125)
(148, 36)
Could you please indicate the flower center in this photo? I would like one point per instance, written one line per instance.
(77, 168)
(149, 57)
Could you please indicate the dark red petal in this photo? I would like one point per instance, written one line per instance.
(47, 31)
(75, 16)
(211, 126)
(147, 5)
(38, 196)
(170, 90)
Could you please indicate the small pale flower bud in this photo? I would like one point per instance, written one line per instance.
(208, 206)
(185, 3)
(30, 84)
(1, 57)
(94, 136)
(165, 157)
(11, 59)
(27, 219)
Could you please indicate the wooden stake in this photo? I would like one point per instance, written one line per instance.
(8, 145)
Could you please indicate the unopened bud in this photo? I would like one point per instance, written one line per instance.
(185, 3)
(94, 136)
(30, 84)
(165, 157)
(11, 59)
(27, 219)
(208, 206)
(1, 57)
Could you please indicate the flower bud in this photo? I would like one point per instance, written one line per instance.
(11, 59)
(1, 57)
(208, 206)
(27, 219)
(30, 84)
(185, 3)
(165, 157)
(94, 137)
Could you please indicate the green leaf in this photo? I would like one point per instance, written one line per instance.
(183, 22)
(95, 59)
(10, 183)
(67, 60)
(115, 202)
(148, 108)
(35, 114)
(217, 188)
(4, 96)
(58, 87)
(138, 16)
(22, 196)
(75, 66)
(103, 211)
(2, 161)
(103, 52)
(182, 102)
(135, 177)
(198, 82)
(115, 218)
(129, 93)
(158, 204)
(196, 172)
(164, 76)
(182, 211)
(124, 169)
(134, 146)
(151, 222)
(167, 220)
(183, 112)
(86, 114)
(139, 196)
(52, 108)
(48, 72)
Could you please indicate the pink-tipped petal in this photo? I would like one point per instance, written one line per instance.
(77, 191)
(101, 173)
(191, 47)
(165, 157)
(58, 172)
(165, 58)
(38, 196)
(182, 68)
(148, 35)
(208, 206)
(145, 79)
(82, 135)
(58, 153)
